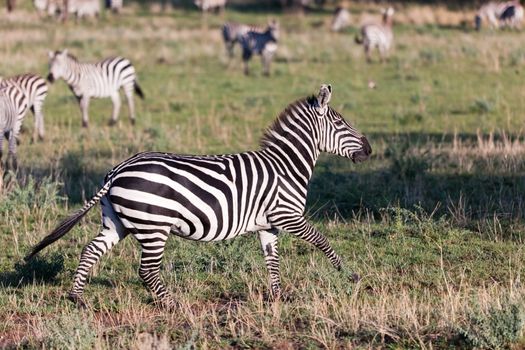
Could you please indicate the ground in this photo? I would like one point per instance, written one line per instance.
(430, 229)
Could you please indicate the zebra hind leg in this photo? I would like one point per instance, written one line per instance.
(112, 232)
(84, 106)
(271, 257)
(153, 245)
(128, 91)
(115, 98)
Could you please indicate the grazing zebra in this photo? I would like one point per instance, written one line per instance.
(101, 79)
(260, 43)
(378, 36)
(213, 198)
(500, 14)
(209, 5)
(114, 5)
(341, 19)
(13, 107)
(35, 89)
(233, 32)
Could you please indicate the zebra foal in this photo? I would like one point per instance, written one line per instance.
(233, 32)
(35, 89)
(378, 36)
(260, 43)
(213, 198)
(13, 107)
(101, 79)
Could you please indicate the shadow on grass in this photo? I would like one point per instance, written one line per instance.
(40, 269)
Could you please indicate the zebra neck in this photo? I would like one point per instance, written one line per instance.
(73, 73)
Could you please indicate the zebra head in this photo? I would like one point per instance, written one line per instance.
(57, 65)
(273, 29)
(388, 13)
(337, 136)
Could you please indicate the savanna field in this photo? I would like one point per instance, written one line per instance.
(431, 228)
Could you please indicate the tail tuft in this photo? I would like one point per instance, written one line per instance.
(58, 232)
(138, 90)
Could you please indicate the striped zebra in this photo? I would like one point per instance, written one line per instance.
(35, 89)
(101, 79)
(13, 107)
(214, 198)
(378, 36)
(114, 5)
(233, 32)
(209, 5)
(260, 43)
(341, 19)
(500, 14)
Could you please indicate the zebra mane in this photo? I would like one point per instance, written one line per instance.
(268, 138)
(69, 55)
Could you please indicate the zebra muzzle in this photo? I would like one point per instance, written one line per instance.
(50, 78)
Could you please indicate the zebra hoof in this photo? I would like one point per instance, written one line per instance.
(77, 300)
(132, 121)
(112, 122)
(84, 124)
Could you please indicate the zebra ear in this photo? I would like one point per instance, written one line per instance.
(51, 54)
(325, 93)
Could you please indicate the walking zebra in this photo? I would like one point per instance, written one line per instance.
(378, 36)
(260, 43)
(101, 79)
(213, 198)
(233, 32)
(500, 14)
(34, 88)
(341, 19)
(209, 5)
(13, 106)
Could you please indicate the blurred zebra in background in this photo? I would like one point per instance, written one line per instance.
(35, 89)
(214, 198)
(13, 107)
(260, 43)
(378, 36)
(500, 14)
(341, 19)
(78, 8)
(114, 5)
(210, 5)
(100, 79)
(233, 32)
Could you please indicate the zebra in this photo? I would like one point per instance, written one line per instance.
(13, 107)
(232, 33)
(341, 19)
(35, 89)
(260, 43)
(100, 79)
(214, 198)
(209, 5)
(114, 5)
(500, 14)
(378, 36)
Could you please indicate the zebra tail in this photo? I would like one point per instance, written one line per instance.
(358, 39)
(138, 90)
(69, 223)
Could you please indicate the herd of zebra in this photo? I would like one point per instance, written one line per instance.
(204, 198)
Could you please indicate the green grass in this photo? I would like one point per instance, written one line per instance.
(431, 229)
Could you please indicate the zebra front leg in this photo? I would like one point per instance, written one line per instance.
(246, 55)
(39, 121)
(271, 257)
(112, 232)
(150, 262)
(299, 227)
(11, 155)
(115, 98)
(84, 106)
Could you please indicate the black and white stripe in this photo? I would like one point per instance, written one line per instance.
(35, 89)
(260, 43)
(13, 107)
(213, 198)
(101, 79)
(233, 32)
(378, 36)
(500, 14)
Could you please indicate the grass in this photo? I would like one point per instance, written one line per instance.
(431, 229)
